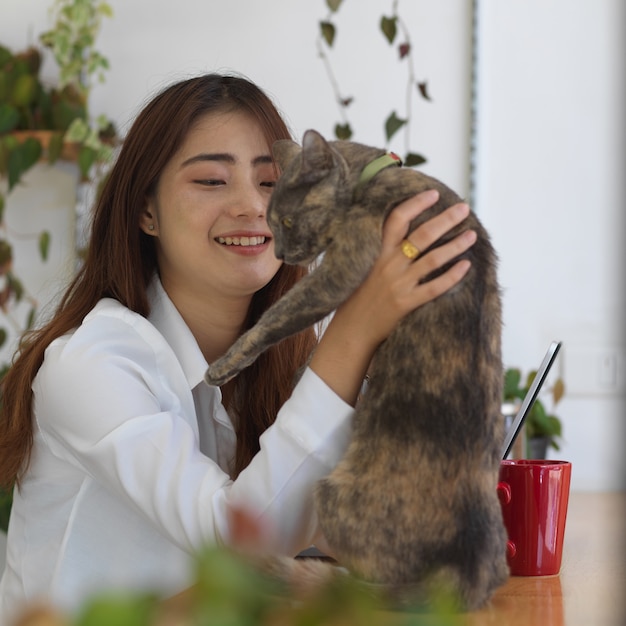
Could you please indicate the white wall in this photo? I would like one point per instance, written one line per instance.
(151, 43)
(549, 164)
(550, 187)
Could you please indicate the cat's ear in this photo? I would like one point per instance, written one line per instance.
(317, 155)
(284, 151)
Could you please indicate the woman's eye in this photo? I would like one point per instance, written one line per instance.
(210, 182)
(269, 183)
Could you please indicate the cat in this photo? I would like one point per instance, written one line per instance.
(412, 506)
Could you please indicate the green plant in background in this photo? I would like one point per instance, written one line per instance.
(392, 28)
(539, 423)
(38, 121)
(24, 104)
(72, 41)
(27, 104)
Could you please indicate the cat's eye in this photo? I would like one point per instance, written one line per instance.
(287, 222)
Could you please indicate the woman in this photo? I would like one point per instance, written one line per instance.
(125, 461)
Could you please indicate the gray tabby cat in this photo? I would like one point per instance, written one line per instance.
(412, 506)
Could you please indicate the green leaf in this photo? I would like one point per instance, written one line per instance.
(77, 131)
(65, 110)
(343, 131)
(512, 378)
(389, 27)
(44, 245)
(393, 124)
(86, 158)
(3, 336)
(15, 285)
(121, 609)
(554, 425)
(22, 158)
(530, 378)
(333, 5)
(5, 55)
(6, 253)
(30, 320)
(412, 159)
(4, 157)
(537, 423)
(55, 147)
(10, 142)
(328, 32)
(6, 497)
(24, 91)
(9, 117)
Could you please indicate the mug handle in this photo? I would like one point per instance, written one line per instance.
(504, 492)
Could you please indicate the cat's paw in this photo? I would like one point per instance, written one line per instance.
(217, 375)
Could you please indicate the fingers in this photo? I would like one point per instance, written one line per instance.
(394, 286)
(397, 224)
(430, 231)
(438, 257)
(418, 269)
(425, 292)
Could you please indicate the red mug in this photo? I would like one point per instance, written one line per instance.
(534, 495)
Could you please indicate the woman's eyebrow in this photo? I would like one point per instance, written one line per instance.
(203, 156)
(224, 157)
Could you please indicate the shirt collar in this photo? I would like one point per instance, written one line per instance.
(169, 322)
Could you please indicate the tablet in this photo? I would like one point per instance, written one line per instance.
(530, 397)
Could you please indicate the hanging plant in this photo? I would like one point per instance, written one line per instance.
(394, 29)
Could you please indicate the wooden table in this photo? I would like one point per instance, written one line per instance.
(589, 591)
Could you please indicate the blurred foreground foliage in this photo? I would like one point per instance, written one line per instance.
(230, 591)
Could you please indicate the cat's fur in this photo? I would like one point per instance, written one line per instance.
(413, 504)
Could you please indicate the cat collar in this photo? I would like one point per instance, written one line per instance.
(375, 166)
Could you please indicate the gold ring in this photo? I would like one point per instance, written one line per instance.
(409, 250)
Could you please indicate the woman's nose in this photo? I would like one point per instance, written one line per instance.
(250, 202)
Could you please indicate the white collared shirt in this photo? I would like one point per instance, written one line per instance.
(128, 474)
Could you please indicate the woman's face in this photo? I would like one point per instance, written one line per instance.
(208, 213)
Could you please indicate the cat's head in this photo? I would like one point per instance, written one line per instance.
(309, 198)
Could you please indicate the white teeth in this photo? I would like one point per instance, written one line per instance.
(242, 241)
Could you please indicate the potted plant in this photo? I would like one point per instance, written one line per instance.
(543, 429)
(47, 121)
(52, 121)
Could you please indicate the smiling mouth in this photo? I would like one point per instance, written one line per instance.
(242, 241)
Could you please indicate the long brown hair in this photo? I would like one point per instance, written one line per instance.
(121, 260)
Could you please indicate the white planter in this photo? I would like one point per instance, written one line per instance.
(45, 199)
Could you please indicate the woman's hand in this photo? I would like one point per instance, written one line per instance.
(393, 287)
(391, 290)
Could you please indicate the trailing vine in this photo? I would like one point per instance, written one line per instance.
(395, 31)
